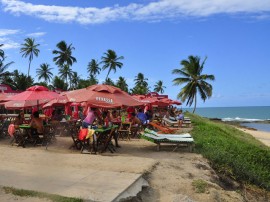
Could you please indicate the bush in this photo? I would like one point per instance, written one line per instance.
(232, 152)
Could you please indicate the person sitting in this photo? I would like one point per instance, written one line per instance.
(149, 115)
(57, 115)
(142, 116)
(36, 125)
(80, 114)
(115, 118)
(180, 118)
(135, 121)
(19, 120)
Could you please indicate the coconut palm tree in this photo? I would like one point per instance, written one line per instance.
(44, 72)
(141, 85)
(158, 87)
(21, 81)
(93, 67)
(29, 49)
(75, 79)
(191, 75)
(140, 90)
(140, 80)
(66, 73)
(93, 80)
(58, 83)
(111, 61)
(2, 53)
(3, 70)
(122, 84)
(64, 54)
(109, 81)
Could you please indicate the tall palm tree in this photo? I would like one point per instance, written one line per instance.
(158, 87)
(45, 72)
(140, 80)
(29, 49)
(111, 61)
(64, 54)
(66, 73)
(75, 79)
(93, 67)
(122, 84)
(141, 85)
(191, 73)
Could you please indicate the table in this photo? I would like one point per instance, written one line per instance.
(27, 136)
(104, 138)
(125, 130)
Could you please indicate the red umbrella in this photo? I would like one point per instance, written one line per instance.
(169, 101)
(62, 99)
(4, 96)
(104, 96)
(33, 96)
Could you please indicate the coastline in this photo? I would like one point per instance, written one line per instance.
(263, 136)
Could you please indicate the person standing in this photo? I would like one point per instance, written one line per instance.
(180, 118)
(90, 118)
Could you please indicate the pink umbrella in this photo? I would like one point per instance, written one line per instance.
(104, 96)
(33, 96)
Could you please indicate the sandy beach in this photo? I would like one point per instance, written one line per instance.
(171, 178)
(264, 137)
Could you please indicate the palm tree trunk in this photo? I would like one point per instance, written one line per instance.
(108, 74)
(195, 103)
(29, 68)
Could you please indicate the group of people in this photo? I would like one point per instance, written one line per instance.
(36, 124)
(136, 117)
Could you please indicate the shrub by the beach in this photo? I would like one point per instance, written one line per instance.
(232, 152)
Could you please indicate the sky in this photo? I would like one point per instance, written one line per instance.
(154, 36)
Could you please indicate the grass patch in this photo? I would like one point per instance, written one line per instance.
(232, 152)
(200, 186)
(29, 193)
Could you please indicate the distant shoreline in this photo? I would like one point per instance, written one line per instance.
(262, 136)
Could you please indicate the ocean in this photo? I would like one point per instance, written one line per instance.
(253, 117)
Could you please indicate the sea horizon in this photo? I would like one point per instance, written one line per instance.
(257, 117)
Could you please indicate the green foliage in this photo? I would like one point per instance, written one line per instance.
(196, 82)
(232, 152)
(29, 193)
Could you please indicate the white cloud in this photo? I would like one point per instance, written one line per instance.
(154, 11)
(36, 34)
(6, 32)
(4, 38)
(8, 43)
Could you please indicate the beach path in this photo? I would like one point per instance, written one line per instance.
(90, 177)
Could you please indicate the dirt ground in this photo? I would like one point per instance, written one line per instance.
(176, 176)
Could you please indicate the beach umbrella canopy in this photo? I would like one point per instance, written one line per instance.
(5, 96)
(169, 101)
(62, 99)
(104, 96)
(33, 96)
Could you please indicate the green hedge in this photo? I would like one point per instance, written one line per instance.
(232, 152)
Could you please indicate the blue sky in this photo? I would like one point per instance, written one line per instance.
(153, 36)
